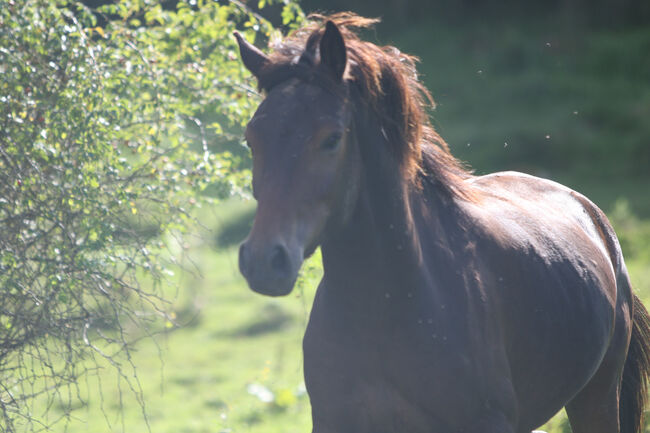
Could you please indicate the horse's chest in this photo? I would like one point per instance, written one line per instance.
(367, 405)
(390, 380)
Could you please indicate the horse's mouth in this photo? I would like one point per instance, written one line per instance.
(273, 288)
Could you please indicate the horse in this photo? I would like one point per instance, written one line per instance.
(450, 302)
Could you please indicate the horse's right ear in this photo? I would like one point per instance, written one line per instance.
(253, 58)
(333, 54)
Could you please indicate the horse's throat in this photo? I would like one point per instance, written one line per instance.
(379, 242)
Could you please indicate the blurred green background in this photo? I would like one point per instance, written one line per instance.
(559, 89)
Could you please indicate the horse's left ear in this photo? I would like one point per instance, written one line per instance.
(253, 59)
(333, 54)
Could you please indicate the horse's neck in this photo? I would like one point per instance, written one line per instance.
(380, 248)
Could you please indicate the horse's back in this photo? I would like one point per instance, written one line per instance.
(559, 285)
(545, 209)
(521, 212)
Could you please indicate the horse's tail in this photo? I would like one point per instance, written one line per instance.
(636, 372)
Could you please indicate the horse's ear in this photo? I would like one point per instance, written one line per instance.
(253, 58)
(332, 50)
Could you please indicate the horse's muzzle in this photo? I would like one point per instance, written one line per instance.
(270, 270)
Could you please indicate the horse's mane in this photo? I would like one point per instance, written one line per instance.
(386, 81)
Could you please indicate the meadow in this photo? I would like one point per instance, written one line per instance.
(231, 361)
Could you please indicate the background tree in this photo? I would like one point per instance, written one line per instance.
(108, 136)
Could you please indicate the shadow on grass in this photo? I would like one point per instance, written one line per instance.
(268, 319)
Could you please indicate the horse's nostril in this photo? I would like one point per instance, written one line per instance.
(280, 260)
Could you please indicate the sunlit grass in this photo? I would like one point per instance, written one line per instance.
(233, 362)
(205, 373)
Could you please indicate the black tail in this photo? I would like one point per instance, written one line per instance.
(636, 373)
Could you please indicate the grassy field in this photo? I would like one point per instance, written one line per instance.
(537, 95)
(234, 364)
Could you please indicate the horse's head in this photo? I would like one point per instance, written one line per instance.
(304, 164)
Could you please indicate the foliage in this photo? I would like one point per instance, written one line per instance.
(109, 137)
(235, 367)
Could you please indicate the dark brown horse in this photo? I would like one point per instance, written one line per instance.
(450, 302)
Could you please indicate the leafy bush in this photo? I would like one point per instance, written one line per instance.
(108, 137)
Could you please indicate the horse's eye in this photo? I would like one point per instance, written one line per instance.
(332, 142)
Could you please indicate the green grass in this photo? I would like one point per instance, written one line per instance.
(200, 376)
(210, 373)
(563, 99)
